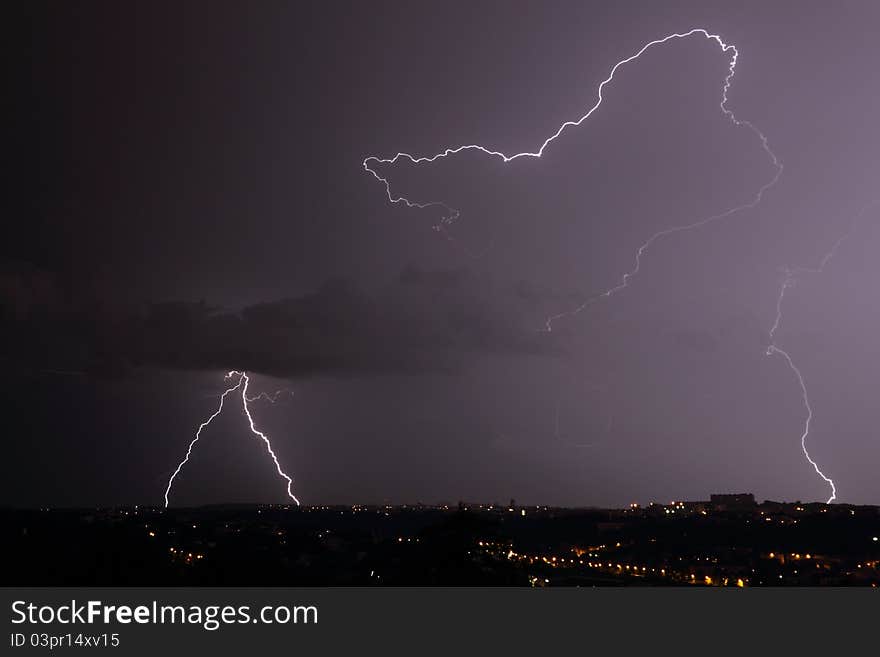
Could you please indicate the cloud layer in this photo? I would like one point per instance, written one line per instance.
(420, 321)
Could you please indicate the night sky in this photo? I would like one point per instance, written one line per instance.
(188, 198)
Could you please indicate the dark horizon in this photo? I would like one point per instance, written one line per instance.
(728, 542)
(469, 505)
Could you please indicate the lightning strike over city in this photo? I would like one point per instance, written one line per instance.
(242, 383)
(789, 280)
(494, 280)
(452, 214)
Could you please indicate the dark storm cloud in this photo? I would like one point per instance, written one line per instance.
(422, 321)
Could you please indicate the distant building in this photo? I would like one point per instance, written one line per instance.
(732, 501)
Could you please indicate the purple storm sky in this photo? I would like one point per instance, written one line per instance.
(192, 201)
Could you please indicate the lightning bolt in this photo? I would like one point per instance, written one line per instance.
(451, 214)
(247, 412)
(242, 385)
(789, 280)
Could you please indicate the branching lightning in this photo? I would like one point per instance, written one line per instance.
(789, 280)
(271, 397)
(451, 214)
(247, 412)
(242, 384)
(199, 435)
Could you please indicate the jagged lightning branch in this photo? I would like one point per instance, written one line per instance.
(789, 280)
(271, 398)
(451, 214)
(242, 384)
(247, 411)
(199, 435)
